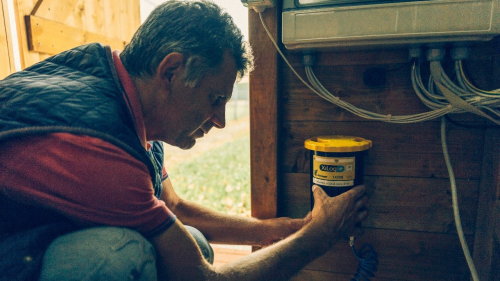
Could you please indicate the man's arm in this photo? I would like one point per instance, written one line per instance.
(229, 229)
(178, 257)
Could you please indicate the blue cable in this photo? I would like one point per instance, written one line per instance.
(368, 261)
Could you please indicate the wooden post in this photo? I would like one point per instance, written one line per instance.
(487, 213)
(6, 50)
(264, 115)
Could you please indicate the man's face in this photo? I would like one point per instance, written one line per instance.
(194, 111)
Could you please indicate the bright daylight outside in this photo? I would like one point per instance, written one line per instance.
(216, 171)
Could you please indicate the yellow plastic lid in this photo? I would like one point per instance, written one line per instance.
(337, 143)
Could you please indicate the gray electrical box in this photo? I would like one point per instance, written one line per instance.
(349, 24)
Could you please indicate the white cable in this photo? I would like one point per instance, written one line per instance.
(283, 56)
(464, 83)
(463, 98)
(456, 211)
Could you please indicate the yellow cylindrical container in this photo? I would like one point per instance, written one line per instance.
(337, 162)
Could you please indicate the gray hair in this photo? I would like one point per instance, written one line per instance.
(199, 30)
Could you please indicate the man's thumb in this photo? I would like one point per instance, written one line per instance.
(318, 193)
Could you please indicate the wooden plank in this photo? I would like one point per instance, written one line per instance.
(487, 238)
(22, 8)
(346, 82)
(315, 275)
(77, 16)
(412, 204)
(131, 19)
(495, 267)
(94, 16)
(397, 97)
(488, 213)
(51, 37)
(125, 25)
(355, 57)
(228, 253)
(342, 73)
(6, 50)
(264, 116)
(398, 149)
(54, 10)
(44, 56)
(403, 255)
(112, 18)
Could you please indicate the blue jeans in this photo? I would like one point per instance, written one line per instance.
(106, 253)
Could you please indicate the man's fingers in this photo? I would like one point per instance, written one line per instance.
(361, 203)
(297, 224)
(308, 217)
(362, 215)
(353, 226)
(358, 191)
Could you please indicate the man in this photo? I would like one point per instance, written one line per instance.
(83, 192)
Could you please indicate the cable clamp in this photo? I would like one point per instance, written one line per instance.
(460, 53)
(308, 59)
(388, 117)
(414, 53)
(435, 54)
(351, 240)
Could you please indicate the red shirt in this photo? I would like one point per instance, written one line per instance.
(89, 180)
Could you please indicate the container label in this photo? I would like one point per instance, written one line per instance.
(334, 171)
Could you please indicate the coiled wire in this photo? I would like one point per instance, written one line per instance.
(368, 262)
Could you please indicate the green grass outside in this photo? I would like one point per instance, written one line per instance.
(218, 178)
(236, 110)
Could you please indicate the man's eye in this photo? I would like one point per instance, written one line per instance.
(220, 100)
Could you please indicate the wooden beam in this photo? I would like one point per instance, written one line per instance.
(27, 57)
(427, 206)
(487, 212)
(264, 115)
(46, 36)
(6, 50)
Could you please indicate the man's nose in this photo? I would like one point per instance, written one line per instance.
(219, 117)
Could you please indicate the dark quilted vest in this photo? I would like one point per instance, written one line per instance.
(74, 92)
(77, 92)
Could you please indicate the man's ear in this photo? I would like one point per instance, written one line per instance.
(170, 65)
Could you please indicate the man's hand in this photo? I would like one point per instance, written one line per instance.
(279, 228)
(308, 238)
(340, 216)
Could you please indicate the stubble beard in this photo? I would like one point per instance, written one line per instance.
(185, 141)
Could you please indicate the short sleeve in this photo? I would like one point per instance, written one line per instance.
(86, 179)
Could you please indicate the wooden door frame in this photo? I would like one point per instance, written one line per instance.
(264, 115)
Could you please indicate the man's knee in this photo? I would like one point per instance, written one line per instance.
(202, 242)
(100, 253)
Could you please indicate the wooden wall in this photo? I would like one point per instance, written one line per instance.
(411, 222)
(6, 51)
(47, 27)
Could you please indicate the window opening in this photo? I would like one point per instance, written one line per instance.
(216, 171)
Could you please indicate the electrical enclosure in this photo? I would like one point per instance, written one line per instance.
(349, 24)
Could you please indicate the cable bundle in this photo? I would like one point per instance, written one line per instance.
(462, 96)
(441, 95)
(325, 94)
